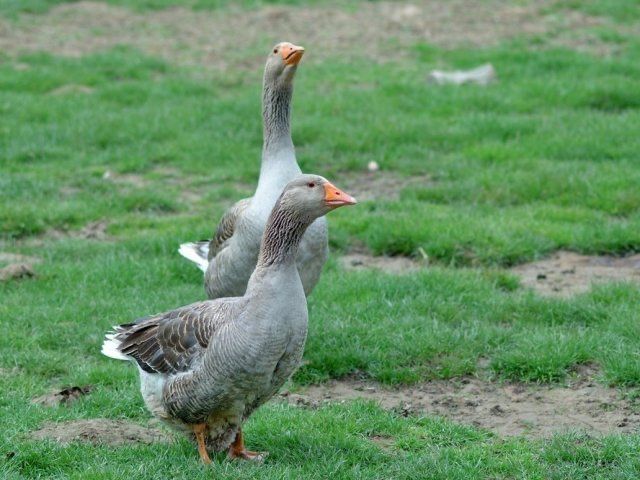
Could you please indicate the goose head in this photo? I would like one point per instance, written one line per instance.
(282, 63)
(312, 196)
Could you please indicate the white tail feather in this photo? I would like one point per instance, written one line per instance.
(195, 252)
(110, 348)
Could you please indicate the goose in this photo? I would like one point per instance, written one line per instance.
(204, 368)
(231, 255)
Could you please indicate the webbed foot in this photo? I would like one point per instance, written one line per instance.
(237, 450)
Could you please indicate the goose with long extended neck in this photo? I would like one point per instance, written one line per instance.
(206, 367)
(230, 257)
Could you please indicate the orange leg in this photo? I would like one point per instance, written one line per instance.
(200, 430)
(237, 450)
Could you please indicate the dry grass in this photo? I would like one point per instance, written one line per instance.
(379, 31)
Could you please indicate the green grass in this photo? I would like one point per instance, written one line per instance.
(546, 158)
(341, 447)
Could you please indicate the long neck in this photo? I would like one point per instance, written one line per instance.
(279, 163)
(281, 237)
(276, 117)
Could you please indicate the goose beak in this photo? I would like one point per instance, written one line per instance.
(291, 54)
(334, 197)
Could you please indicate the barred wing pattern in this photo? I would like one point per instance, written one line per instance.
(227, 226)
(172, 342)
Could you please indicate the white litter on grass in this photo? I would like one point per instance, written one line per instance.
(481, 75)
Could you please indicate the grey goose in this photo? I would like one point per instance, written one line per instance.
(231, 255)
(205, 367)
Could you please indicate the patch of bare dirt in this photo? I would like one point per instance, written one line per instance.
(380, 184)
(17, 266)
(507, 409)
(16, 271)
(100, 431)
(65, 396)
(394, 265)
(133, 179)
(568, 273)
(580, 36)
(385, 443)
(94, 230)
(91, 231)
(166, 174)
(7, 257)
(189, 192)
(376, 30)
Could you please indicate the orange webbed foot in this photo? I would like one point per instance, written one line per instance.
(238, 451)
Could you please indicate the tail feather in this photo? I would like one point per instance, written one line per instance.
(197, 252)
(111, 345)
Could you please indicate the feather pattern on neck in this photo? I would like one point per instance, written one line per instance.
(279, 163)
(282, 235)
(276, 115)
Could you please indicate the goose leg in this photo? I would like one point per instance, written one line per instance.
(200, 430)
(237, 450)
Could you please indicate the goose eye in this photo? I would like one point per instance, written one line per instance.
(311, 184)
(275, 50)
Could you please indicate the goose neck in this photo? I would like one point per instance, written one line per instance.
(281, 237)
(276, 116)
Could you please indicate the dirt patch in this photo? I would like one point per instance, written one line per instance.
(385, 443)
(190, 189)
(380, 184)
(100, 431)
(16, 271)
(568, 273)
(393, 265)
(507, 409)
(584, 37)
(167, 175)
(375, 30)
(132, 179)
(65, 396)
(91, 231)
(7, 257)
(94, 230)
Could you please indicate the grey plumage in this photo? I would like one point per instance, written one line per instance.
(233, 251)
(226, 227)
(214, 362)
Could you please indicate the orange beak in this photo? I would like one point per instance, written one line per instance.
(291, 54)
(334, 197)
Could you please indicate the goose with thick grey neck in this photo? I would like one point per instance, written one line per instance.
(230, 257)
(206, 367)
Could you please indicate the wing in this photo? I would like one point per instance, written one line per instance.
(227, 226)
(171, 342)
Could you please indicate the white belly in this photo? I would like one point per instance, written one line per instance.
(151, 385)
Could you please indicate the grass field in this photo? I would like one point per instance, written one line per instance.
(546, 158)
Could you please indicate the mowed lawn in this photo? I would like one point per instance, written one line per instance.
(546, 158)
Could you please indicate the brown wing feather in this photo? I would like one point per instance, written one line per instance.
(172, 341)
(227, 226)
